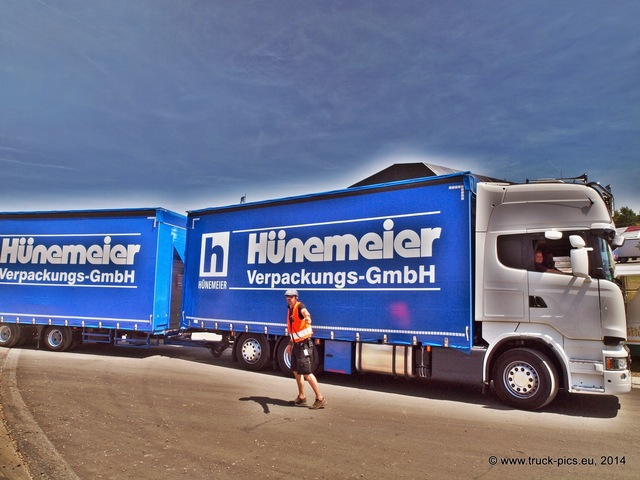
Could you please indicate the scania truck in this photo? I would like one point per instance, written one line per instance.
(431, 277)
(108, 276)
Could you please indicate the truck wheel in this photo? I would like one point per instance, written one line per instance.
(57, 339)
(283, 357)
(253, 351)
(525, 378)
(9, 335)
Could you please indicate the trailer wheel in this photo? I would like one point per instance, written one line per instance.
(253, 351)
(57, 339)
(9, 335)
(525, 378)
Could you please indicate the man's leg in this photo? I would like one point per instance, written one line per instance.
(311, 378)
(300, 382)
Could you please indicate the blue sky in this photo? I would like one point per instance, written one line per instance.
(187, 104)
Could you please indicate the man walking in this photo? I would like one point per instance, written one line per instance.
(303, 351)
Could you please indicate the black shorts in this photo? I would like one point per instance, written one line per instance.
(303, 355)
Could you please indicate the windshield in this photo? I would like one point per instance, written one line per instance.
(606, 263)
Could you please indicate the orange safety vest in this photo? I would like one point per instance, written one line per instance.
(299, 328)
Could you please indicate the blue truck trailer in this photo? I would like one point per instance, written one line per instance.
(107, 276)
(432, 277)
(376, 267)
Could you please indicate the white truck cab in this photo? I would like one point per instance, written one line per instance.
(557, 324)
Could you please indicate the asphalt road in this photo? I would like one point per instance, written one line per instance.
(170, 413)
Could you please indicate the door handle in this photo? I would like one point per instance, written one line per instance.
(536, 302)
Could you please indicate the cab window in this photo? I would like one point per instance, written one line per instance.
(520, 251)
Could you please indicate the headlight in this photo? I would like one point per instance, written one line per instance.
(616, 363)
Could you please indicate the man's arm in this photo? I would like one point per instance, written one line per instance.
(305, 314)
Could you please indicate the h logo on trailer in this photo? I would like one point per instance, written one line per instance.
(214, 254)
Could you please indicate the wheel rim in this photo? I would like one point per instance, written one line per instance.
(251, 351)
(55, 338)
(286, 356)
(521, 379)
(5, 333)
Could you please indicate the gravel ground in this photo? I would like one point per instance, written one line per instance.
(12, 465)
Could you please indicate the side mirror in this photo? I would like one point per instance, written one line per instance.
(579, 257)
(617, 241)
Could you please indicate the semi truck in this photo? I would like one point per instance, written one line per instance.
(629, 277)
(108, 276)
(630, 249)
(431, 277)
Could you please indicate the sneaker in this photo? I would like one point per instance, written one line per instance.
(298, 401)
(318, 404)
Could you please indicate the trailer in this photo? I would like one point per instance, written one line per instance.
(107, 276)
(432, 277)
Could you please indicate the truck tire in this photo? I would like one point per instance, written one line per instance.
(10, 335)
(283, 358)
(525, 378)
(57, 339)
(253, 351)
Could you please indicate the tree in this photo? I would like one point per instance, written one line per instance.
(625, 217)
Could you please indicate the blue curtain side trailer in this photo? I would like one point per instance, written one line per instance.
(386, 271)
(107, 276)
